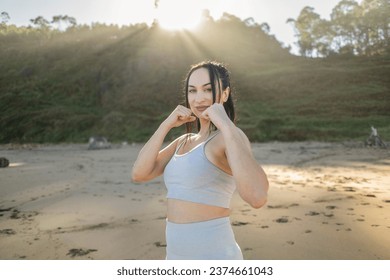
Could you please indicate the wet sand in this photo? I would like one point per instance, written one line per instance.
(326, 201)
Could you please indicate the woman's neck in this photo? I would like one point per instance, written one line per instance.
(205, 128)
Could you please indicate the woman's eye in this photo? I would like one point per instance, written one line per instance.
(209, 90)
(191, 91)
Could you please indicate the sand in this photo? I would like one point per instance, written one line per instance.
(326, 201)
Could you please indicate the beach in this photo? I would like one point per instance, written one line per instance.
(327, 201)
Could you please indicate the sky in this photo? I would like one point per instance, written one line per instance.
(172, 12)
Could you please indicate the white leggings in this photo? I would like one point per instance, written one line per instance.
(208, 240)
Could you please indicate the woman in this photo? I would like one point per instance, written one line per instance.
(202, 170)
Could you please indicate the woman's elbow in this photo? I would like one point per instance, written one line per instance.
(141, 176)
(136, 177)
(259, 199)
(259, 202)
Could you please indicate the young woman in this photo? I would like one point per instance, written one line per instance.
(202, 170)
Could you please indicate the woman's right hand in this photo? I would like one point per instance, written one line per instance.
(179, 116)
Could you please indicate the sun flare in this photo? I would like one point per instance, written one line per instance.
(178, 14)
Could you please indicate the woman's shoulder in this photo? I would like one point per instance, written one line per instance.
(240, 132)
(216, 140)
(221, 141)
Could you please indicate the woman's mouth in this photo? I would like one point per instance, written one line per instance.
(201, 108)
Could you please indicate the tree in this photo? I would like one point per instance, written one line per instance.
(61, 20)
(345, 21)
(265, 27)
(40, 22)
(376, 25)
(353, 29)
(305, 26)
(250, 21)
(4, 17)
(323, 37)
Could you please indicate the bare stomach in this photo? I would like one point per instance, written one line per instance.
(180, 211)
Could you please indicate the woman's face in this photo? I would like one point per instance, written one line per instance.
(199, 91)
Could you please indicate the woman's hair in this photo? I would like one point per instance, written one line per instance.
(220, 80)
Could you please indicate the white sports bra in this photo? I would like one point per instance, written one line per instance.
(192, 177)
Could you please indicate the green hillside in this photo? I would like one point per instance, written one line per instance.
(122, 82)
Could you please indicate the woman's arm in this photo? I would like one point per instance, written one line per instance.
(250, 178)
(151, 162)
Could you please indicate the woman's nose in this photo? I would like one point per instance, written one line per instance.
(200, 95)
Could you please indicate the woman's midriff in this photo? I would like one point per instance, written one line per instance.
(180, 211)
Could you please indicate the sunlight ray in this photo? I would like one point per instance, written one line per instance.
(178, 15)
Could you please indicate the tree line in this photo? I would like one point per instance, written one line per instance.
(353, 29)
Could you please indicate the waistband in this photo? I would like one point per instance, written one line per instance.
(216, 221)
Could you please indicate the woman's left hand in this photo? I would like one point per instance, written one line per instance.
(217, 115)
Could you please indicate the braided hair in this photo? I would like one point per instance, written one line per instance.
(220, 80)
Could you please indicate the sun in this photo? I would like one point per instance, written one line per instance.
(178, 14)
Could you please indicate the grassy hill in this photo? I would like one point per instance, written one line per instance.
(122, 82)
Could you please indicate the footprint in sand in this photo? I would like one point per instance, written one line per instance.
(328, 215)
(282, 220)
(6, 209)
(237, 224)
(159, 244)
(312, 213)
(329, 199)
(80, 252)
(7, 231)
(282, 206)
(15, 214)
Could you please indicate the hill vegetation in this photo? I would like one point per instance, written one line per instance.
(121, 82)
(353, 28)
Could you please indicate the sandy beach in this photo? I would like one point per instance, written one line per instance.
(326, 201)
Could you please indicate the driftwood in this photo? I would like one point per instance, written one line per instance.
(4, 162)
(374, 140)
(98, 142)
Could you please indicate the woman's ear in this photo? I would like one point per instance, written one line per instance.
(225, 94)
